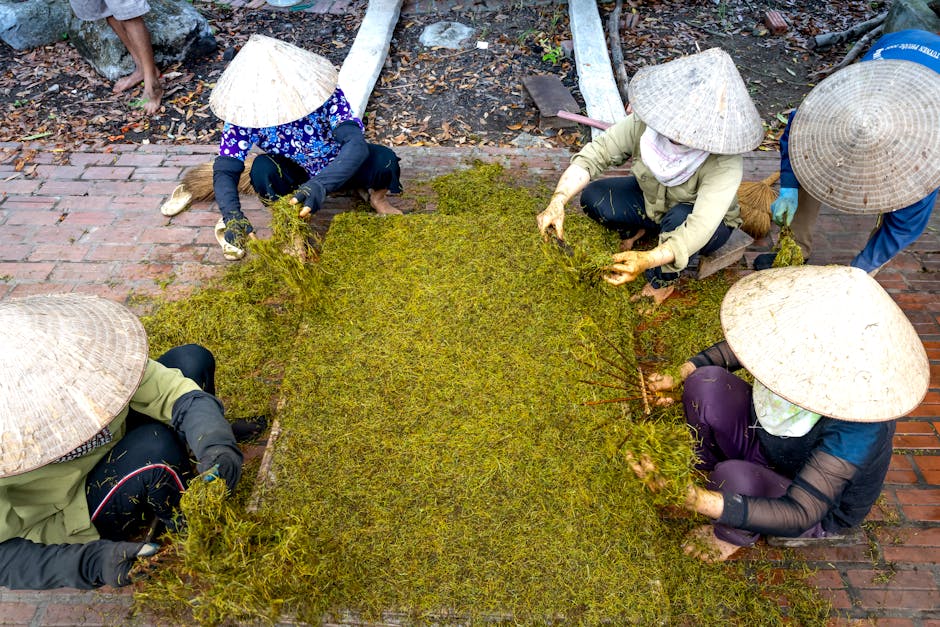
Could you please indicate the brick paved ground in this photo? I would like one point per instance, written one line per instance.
(90, 222)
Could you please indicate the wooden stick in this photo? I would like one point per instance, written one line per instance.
(825, 40)
(646, 402)
(616, 53)
(604, 385)
(856, 50)
(583, 119)
(611, 400)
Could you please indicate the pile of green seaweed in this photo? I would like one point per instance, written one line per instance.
(445, 454)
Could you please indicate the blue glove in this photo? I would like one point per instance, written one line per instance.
(784, 208)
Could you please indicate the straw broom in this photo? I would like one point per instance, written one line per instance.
(198, 181)
(755, 199)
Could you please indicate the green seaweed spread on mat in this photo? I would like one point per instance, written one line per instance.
(438, 460)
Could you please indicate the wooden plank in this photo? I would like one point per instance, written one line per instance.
(366, 57)
(730, 252)
(595, 76)
(551, 96)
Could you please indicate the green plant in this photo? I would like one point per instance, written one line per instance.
(550, 52)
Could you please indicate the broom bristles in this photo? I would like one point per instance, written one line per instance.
(198, 181)
(755, 198)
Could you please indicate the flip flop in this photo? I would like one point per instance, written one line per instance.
(229, 251)
(179, 200)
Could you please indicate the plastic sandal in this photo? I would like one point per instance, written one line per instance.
(229, 251)
(179, 200)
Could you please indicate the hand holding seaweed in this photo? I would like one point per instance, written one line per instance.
(649, 475)
(553, 217)
(630, 264)
(659, 382)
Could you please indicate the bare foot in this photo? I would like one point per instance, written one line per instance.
(657, 294)
(125, 83)
(151, 99)
(628, 243)
(702, 543)
(380, 203)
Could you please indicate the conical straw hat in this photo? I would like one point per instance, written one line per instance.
(271, 82)
(68, 365)
(865, 139)
(829, 339)
(699, 101)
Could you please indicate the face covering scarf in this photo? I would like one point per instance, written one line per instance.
(671, 164)
(779, 416)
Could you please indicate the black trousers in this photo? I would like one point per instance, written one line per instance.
(145, 473)
(273, 176)
(617, 203)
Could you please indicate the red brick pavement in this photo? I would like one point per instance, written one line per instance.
(90, 222)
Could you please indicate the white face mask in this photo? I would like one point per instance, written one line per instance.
(778, 416)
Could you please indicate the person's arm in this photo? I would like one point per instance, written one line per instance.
(234, 144)
(787, 177)
(27, 565)
(719, 354)
(352, 153)
(167, 396)
(572, 181)
(199, 418)
(717, 191)
(814, 491)
(225, 174)
(613, 147)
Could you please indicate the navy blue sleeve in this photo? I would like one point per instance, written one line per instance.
(787, 177)
(352, 153)
(854, 442)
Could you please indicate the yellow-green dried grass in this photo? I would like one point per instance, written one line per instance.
(438, 461)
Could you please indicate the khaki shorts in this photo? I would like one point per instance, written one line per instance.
(89, 10)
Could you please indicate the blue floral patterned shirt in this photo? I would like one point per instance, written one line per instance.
(308, 141)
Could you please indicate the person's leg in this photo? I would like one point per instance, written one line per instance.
(747, 478)
(803, 225)
(380, 175)
(895, 231)
(141, 49)
(195, 362)
(273, 176)
(718, 409)
(144, 475)
(804, 221)
(617, 204)
(126, 82)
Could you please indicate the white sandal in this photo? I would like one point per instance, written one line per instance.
(229, 251)
(178, 202)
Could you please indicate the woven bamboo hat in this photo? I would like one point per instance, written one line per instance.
(68, 365)
(271, 82)
(829, 339)
(865, 139)
(699, 101)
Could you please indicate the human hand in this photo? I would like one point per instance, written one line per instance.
(784, 208)
(553, 217)
(119, 558)
(629, 265)
(662, 382)
(221, 462)
(310, 197)
(645, 470)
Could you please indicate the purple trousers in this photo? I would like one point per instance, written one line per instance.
(718, 410)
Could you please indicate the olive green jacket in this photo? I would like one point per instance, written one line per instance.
(48, 505)
(712, 190)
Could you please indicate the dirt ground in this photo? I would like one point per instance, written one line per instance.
(428, 95)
